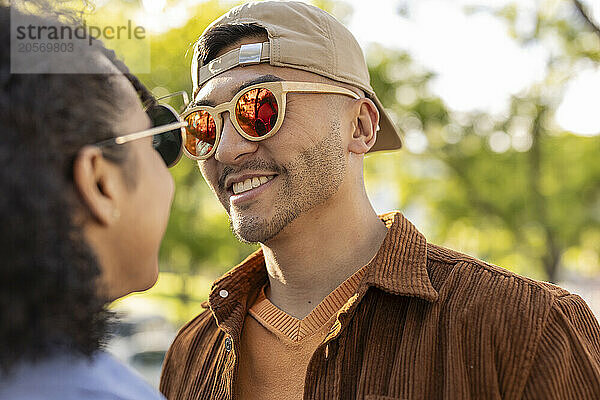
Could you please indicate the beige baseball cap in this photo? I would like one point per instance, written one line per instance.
(305, 37)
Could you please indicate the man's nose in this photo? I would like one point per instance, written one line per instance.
(232, 146)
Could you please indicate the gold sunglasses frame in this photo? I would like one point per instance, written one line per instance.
(279, 89)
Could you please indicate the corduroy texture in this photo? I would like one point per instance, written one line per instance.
(276, 348)
(425, 323)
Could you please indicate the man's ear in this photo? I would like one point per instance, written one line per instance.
(98, 183)
(364, 126)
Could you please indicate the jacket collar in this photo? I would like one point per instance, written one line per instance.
(399, 267)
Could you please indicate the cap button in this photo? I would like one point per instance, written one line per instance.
(223, 293)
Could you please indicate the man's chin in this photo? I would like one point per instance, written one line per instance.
(248, 229)
(257, 229)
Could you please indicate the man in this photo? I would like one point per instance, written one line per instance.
(339, 303)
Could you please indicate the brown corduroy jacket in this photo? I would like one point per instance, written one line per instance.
(425, 323)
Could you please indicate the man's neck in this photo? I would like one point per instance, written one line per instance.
(317, 252)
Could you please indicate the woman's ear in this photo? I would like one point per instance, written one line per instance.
(365, 119)
(98, 182)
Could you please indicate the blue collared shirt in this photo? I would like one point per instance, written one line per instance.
(69, 377)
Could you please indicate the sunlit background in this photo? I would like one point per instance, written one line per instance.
(499, 104)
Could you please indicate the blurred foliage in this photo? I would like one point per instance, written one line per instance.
(513, 189)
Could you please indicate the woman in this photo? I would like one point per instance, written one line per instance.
(81, 223)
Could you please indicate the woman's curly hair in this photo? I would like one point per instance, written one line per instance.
(48, 273)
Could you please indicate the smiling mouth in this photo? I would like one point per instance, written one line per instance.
(250, 183)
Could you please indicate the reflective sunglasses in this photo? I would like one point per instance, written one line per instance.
(256, 112)
(167, 132)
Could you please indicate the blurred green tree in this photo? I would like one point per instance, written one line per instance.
(534, 204)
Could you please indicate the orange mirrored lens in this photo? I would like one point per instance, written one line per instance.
(201, 133)
(256, 112)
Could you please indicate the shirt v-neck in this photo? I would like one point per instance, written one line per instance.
(282, 324)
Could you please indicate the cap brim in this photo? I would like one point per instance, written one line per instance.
(388, 137)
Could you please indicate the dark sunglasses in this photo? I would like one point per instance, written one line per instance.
(167, 131)
(256, 112)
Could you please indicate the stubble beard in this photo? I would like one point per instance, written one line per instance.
(307, 181)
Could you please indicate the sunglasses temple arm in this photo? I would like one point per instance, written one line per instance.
(138, 135)
(183, 93)
(150, 132)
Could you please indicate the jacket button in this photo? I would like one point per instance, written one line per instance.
(223, 293)
(228, 344)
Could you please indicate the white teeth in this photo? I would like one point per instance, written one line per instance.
(250, 183)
